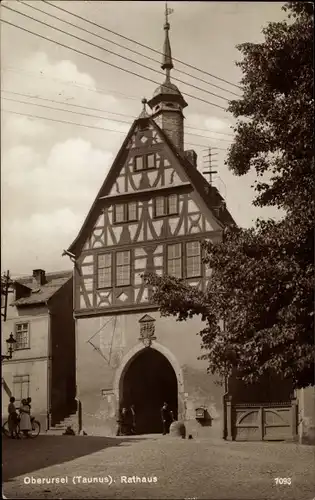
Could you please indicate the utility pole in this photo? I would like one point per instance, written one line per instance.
(5, 290)
(208, 158)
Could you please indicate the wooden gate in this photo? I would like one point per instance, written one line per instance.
(260, 421)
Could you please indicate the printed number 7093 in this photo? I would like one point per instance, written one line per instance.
(283, 480)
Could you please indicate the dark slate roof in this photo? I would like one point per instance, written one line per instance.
(41, 294)
(209, 194)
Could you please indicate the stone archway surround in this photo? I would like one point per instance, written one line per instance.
(132, 354)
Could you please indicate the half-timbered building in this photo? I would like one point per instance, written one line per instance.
(150, 215)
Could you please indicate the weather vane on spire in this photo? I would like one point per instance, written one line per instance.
(167, 12)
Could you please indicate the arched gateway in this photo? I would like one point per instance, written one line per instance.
(147, 377)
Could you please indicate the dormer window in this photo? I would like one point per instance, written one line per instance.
(125, 212)
(145, 162)
(166, 205)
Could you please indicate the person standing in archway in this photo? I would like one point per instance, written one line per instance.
(167, 418)
(133, 419)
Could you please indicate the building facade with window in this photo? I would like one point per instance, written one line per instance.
(151, 214)
(40, 316)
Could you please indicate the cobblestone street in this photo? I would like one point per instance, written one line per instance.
(198, 468)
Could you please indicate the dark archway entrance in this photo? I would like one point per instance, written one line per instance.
(149, 381)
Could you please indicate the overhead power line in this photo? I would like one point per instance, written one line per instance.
(30, 115)
(97, 90)
(98, 110)
(101, 110)
(149, 48)
(102, 48)
(119, 45)
(95, 116)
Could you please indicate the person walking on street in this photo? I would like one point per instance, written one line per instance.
(167, 418)
(25, 421)
(13, 419)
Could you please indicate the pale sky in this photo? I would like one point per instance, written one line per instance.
(51, 171)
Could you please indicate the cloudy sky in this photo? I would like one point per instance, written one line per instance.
(51, 171)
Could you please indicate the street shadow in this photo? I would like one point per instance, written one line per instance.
(28, 455)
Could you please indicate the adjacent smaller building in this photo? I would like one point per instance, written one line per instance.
(40, 316)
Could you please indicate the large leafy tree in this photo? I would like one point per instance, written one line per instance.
(262, 278)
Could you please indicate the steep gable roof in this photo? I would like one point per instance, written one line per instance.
(209, 194)
(40, 294)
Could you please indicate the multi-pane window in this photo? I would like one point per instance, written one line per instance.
(159, 206)
(193, 259)
(22, 335)
(21, 388)
(174, 260)
(125, 212)
(123, 268)
(145, 162)
(119, 213)
(104, 270)
(166, 205)
(172, 204)
(139, 163)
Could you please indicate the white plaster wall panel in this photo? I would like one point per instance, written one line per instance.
(157, 224)
(100, 221)
(117, 230)
(152, 177)
(88, 259)
(121, 184)
(150, 211)
(109, 238)
(159, 272)
(159, 249)
(158, 261)
(208, 226)
(195, 217)
(98, 232)
(194, 229)
(192, 207)
(85, 270)
(136, 293)
(140, 237)
(140, 263)
(139, 252)
(166, 162)
(82, 302)
(88, 283)
(113, 190)
(136, 179)
(110, 216)
(90, 296)
(149, 233)
(132, 230)
(138, 280)
(145, 295)
(97, 244)
(173, 223)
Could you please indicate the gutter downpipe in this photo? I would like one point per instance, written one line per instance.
(49, 362)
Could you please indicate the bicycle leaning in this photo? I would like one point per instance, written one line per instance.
(33, 433)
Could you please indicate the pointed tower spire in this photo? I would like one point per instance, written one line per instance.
(167, 103)
(167, 62)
